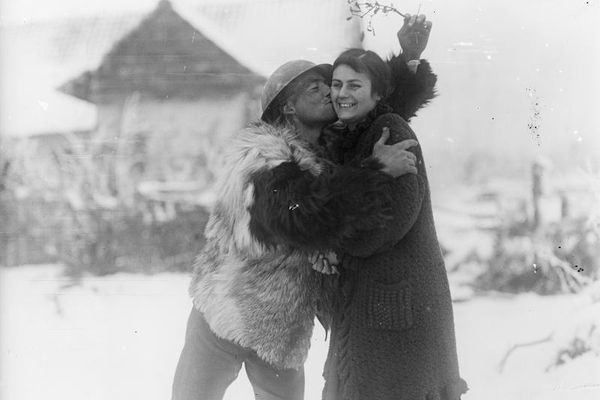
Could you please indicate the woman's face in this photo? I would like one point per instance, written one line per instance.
(352, 95)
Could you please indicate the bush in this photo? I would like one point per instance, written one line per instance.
(560, 258)
(105, 241)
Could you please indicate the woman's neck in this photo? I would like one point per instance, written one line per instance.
(352, 125)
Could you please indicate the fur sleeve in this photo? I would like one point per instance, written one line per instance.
(405, 193)
(292, 206)
(411, 91)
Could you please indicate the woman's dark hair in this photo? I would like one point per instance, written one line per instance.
(367, 62)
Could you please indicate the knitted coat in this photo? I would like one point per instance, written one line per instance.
(252, 287)
(393, 335)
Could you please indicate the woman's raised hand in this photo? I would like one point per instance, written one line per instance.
(414, 35)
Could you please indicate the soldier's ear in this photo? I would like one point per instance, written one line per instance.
(289, 109)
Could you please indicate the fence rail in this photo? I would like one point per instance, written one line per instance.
(35, 230)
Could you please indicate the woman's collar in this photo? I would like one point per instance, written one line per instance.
(380, 109)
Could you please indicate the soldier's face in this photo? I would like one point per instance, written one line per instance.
(311, 101)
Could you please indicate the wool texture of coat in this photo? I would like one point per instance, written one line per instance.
(252, 286)
(393, 334)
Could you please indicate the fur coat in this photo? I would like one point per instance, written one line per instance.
(251, 285)
(411, 91)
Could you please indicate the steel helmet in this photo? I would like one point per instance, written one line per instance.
(283, 76)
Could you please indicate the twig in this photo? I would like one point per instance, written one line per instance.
(367, 8)
(574, 280)
(372, 8)
(521, 345)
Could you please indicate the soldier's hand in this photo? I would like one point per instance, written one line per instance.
(325, 263)
(397, 160)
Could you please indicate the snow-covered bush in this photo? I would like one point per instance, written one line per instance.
(79, 202)
(104, 241)
(558, 257)
(111, 226)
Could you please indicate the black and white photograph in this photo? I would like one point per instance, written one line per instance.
(300, 200)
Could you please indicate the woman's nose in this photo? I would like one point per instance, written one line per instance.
(342, 91)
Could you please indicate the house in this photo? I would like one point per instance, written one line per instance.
(101, 111)
(184, 79)
(153, 96)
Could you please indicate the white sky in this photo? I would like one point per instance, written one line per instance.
(30, 10)
(13, 11)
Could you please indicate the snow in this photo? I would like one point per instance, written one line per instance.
(119, 337)
(46, 112)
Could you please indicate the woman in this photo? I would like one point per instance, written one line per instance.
(393, 333)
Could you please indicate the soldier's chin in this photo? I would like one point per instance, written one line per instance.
(332, 115)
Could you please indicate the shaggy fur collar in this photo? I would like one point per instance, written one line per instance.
(258, 147)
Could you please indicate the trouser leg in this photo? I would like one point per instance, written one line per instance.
(207, 365)
(270, 383)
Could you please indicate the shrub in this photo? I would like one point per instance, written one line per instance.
(558, 258)
(104, 241)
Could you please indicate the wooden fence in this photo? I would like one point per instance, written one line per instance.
(35, 230)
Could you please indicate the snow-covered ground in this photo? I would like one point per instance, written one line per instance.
(119, 337)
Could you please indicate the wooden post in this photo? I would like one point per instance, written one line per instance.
(537, 189)
(564, 206)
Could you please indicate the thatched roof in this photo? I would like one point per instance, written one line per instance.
(264, 34)
(164, 56)
(188, 48)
